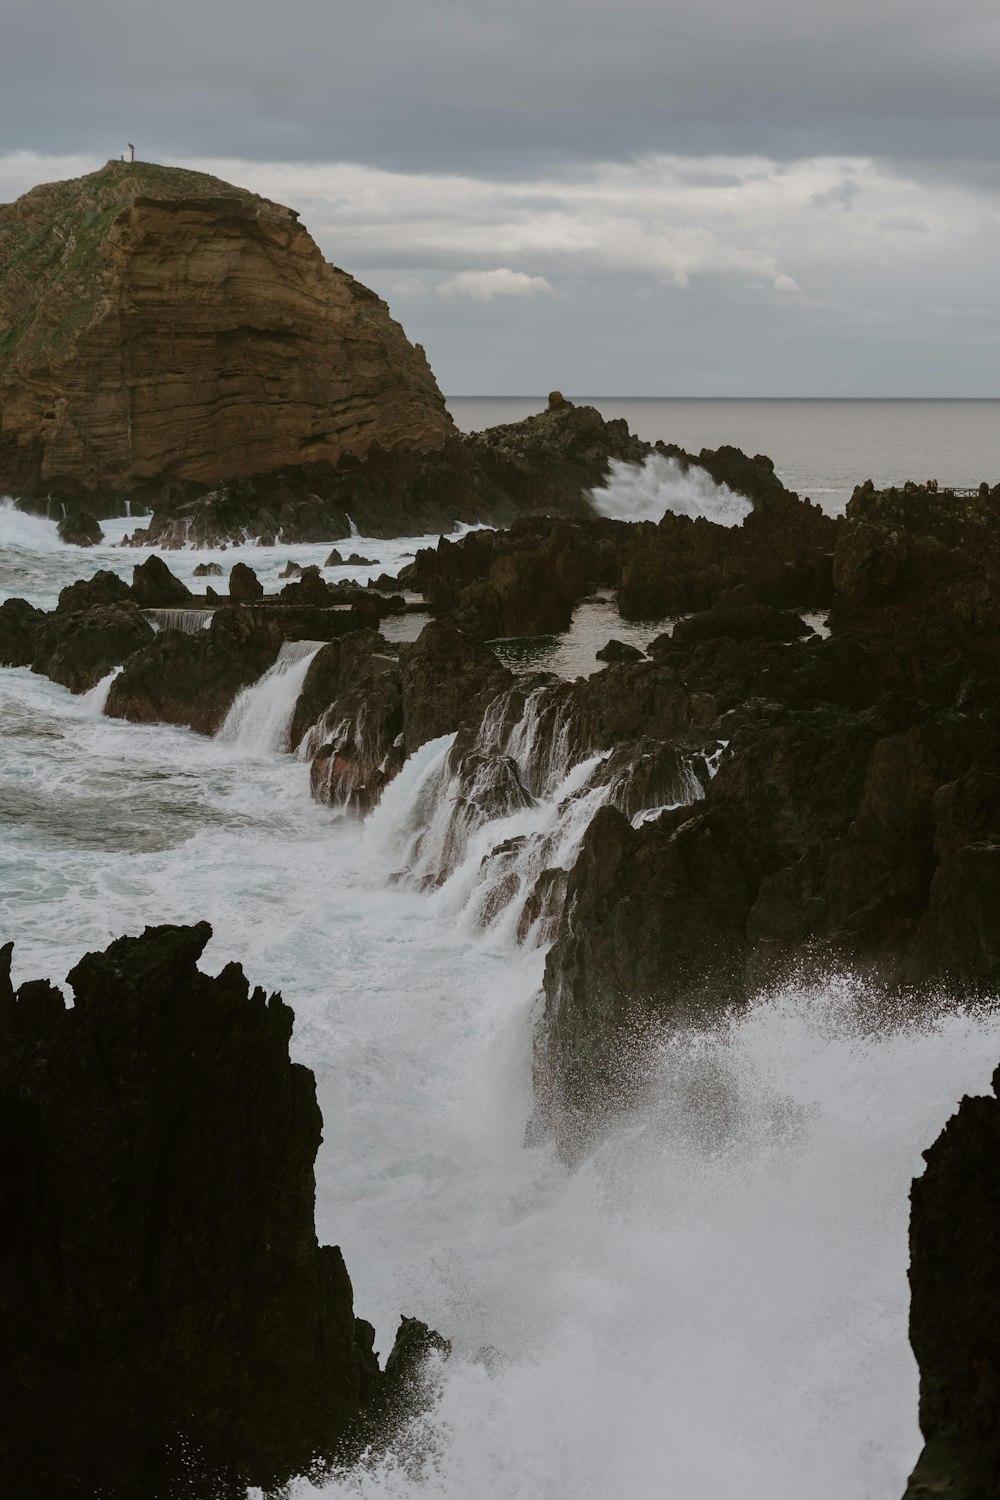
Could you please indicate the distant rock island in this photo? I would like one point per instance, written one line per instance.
(161, 327)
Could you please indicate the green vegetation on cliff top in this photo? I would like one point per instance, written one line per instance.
(54, 245)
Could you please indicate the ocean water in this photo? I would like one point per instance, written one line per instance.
(713, 1304)
(820, 448)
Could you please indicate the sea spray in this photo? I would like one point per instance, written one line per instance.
(645, 492)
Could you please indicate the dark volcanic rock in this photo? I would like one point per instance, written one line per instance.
(155, 587)
(244, 585)
(351, 705)
(80, 529)
(208, 570)
(192, 679)
(742, 623)
(955, 1305)
(780, 556)
(20, 626)
(447, 681)
(619, 651)
(103, 588)
(79, 649)
(652, 935)
(310, 588)
(168, 1322)
(918, 553)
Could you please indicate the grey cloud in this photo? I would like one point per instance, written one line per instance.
(840, 197)
(489, 87)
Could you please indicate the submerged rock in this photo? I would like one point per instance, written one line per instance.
(168, 1322)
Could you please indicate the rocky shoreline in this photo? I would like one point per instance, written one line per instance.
(764, 800)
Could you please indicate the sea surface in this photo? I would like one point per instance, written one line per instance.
(820, 448)
(713, 1304)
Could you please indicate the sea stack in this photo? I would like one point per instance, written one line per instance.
(160, 326)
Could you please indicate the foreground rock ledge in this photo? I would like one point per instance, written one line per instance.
(955, 1305)
(168, 1322)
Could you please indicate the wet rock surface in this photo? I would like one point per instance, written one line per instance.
(955, 1305)
(20, 626)
(79, 649)
(192, 679)
(168, 1322)
(851, 820)
(80, 529)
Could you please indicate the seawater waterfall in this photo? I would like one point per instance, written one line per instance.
(260, 718)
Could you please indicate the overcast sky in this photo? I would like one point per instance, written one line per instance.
(639, 198)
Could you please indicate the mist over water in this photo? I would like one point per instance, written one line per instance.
(634, 492)
(711, 1306)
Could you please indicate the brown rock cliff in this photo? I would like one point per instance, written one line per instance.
(159, 325)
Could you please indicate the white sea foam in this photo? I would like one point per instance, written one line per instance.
(98, 695)
(261, 716)
(645, 492)
(27, 533)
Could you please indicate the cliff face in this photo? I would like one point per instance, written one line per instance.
(159, 325)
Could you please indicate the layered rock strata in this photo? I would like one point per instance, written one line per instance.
(160, 327)
(168, 1322)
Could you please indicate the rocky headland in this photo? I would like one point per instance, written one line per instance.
(169, 1323)
(163, 332)
(177, 348)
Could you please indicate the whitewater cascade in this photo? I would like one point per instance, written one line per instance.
(497, 823)
(260, 719)
(95, 700)
(188, 620)
(645, 492)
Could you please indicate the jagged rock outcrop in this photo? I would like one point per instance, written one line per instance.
(160, 327)
(782, 556)
(20, 626)
(852, 821)
(168, 1322)
(447, 679)
(955, 1305)
(367, 705)
(87, 593)
(155, 587)
(77, 650)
